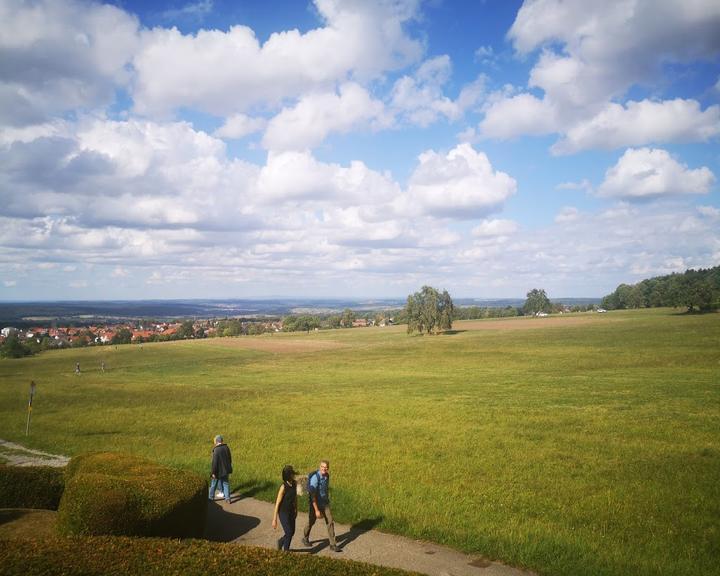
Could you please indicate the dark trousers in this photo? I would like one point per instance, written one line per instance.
(288, 525)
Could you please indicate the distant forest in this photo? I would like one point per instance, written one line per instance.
(694, 289)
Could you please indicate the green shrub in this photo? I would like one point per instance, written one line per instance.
(31, 487)
(118, 556)
(118, 494)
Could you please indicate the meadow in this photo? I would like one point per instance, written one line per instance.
(576, 445)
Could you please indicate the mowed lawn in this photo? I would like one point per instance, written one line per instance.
(577, 445)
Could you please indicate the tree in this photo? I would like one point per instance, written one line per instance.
(303, 323)
(429, 311)
(537, 301)
(186, 330)
(122, 336)
(347, 318)
(13, 348)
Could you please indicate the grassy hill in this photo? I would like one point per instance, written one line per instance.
(582, 444)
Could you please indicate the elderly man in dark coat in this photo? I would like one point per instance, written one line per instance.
(221, 468)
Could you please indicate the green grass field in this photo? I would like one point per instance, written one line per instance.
(580, 445)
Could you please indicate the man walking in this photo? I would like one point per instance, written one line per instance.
(221, 468)
(319, 492)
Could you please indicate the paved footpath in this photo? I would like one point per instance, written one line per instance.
(248, 521)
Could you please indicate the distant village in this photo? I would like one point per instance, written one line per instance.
(139, 331)
(129, 332)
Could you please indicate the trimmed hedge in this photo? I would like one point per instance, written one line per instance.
(108, 493)
(31, 487)
(119, 556)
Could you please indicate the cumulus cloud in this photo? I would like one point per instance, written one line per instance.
(519, 114)
(642, 122)
(59, 56)
(567, 214)
(239, 125)
(459, 184)
(224, 73)
(495, 227)
(593, 54)
(133, 173)
(583, 185)
(316, 115)
(420, 100)
(299, 176)
(652, 173)
(709, 211)
(608, 47)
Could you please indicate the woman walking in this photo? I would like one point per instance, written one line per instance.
(286, 507)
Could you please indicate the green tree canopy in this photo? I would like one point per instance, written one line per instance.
(694, 289)
(122, 336)
(13, 348)
(347, 318)
(429, 311)
(537, 301)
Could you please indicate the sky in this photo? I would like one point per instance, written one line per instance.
(355, 148)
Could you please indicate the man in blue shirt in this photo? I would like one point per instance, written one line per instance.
(319, 491)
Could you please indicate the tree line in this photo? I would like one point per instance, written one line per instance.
(693, 289)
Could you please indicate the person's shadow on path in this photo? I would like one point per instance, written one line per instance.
(225, 526)
(357, 530)
(249, 489)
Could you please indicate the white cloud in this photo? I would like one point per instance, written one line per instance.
(193, 11)
(239, 125)
(516, 115)
(225, 73)
(316, 115)
(420, 100)
(608, 47)
(9, 283)
(485, 55)
(135, 146)
(496, 227)
(591, 54)
(651, 173)
(709, 211)
(59, 56)
(567, 214)
(460, 184)
(637, 123)
(583, 185)
(298, 176)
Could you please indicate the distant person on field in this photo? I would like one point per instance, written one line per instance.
(77, 367)
(319, 493)
(286, 507)
(102, 366)
(221, 468)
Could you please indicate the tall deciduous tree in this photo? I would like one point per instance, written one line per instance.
(537, 301)
(429, 311)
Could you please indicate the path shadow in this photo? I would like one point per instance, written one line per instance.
(11, 514)
(250, 489)
(357, 530)
(224, 526)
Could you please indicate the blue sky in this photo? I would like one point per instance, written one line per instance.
(355, 148)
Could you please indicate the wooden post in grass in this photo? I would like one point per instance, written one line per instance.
(32, 393)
